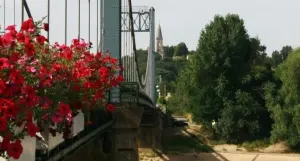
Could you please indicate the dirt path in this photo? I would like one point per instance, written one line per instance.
(223, 152)
(221, 157)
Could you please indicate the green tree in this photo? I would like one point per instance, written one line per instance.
(276, 58)
(284, 52)
(224, 81)
(181, 50)
(283, 101)
(169, 51)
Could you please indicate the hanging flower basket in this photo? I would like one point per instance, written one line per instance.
(78, 124)
(49, 83)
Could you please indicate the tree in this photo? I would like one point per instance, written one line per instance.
(224, 81)
(279, 57)
(276, 58)
(181, 50)
(284, 52)
(283, 101)
(169, 51)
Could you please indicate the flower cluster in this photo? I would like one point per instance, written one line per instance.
(47, 83)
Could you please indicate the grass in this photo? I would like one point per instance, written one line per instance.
(184, 144)
(256, 145)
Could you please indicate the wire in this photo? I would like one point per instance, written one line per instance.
(66, 20)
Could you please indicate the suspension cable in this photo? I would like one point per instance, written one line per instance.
(133, 41)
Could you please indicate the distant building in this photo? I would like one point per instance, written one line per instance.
(159, 42)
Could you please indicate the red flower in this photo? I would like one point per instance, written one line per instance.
(16, 77)
(41, 40)
(63, 109)
(14, 57)
(111, 108)
(28, 25)
(46, 26)
(103, 72)
(4, 63)
(21, 37)
(12, 111)
(15, 150)
(11, 27)
(6, 142)
(2, 86)
(56, 118)
(32, 129)
(29, 49)
(3, 124)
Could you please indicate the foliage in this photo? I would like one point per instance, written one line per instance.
(43, 84)
(279, 57)
(283, 101)
(161, 100)
(181, 50)
(224, 81)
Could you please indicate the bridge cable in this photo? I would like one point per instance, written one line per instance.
(48, 19)
(134, 43)
(79, 23)
(66, 20)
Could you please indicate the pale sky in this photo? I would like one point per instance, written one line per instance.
(275, 22)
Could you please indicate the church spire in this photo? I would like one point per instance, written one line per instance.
(159, 42)
(159, 33)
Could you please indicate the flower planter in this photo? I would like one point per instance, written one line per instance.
(78, 124)
(47, 141)
(29, 148)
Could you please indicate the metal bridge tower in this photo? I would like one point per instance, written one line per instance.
(111, 34)
(114, 21)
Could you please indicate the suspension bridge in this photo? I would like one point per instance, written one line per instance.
(111, 25)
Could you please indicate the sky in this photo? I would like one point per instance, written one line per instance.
(274, 22)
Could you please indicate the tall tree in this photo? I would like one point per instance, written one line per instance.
(169, 51)
(181, 50)
(276, 58)
(283, 101)
(284, 52)
(217, 84)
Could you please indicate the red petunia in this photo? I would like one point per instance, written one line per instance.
(32, 129)
(11, 27)
(41, 39)
(46, 26)
(3, 124)
(2, 86)
(5, 142)
(63, 109)
(21, 37)
(14, 57)
(28, 25)
(29, 49)
(16, 77)
(111, 108)
(15, 150)
(103, 72)
(4, 63)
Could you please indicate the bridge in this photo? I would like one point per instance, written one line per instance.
(111, 25)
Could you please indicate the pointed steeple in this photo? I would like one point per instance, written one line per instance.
(159, 42)
(159, 33)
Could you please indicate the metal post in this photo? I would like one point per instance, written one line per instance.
(66, 20)
(48, 14)
(89, 23)
(22, 9)
(112, 36)
(97, 42)
(79, 4)
(14, 12)
(4, 6)
(152, 54)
